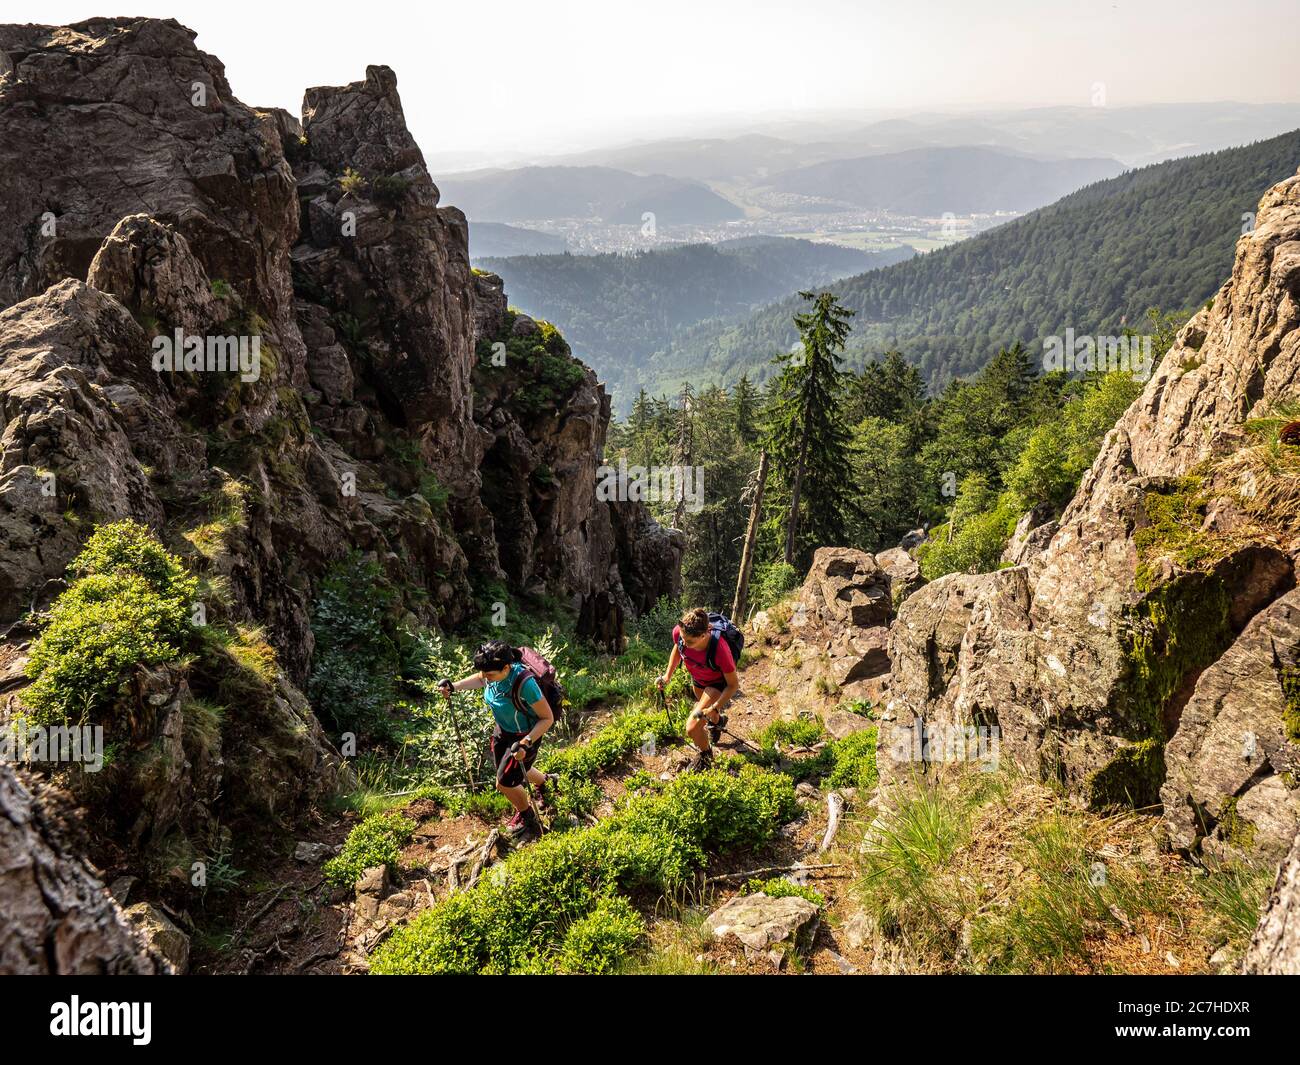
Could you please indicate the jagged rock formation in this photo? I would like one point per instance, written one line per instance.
(835, 644)
(151, 208)
(58, 917)
(367, 382)
(1131, 655)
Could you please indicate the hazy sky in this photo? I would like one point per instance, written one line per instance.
(567, 74)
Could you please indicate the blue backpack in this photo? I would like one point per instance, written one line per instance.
(721, 627)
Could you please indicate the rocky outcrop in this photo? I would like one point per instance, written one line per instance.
(1275, 947)
(1233, 763)
(766, 926)
(1091, 655)
(836, 644)
(58, 917)
(404, 339)
(325, 240)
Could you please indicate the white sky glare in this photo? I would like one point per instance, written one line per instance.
(533, 77)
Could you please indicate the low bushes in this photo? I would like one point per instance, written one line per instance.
(780, 888)
(378, 840)
(569, 883)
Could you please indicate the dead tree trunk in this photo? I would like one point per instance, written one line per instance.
(741, 603)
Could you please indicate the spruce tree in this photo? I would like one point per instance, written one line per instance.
(745, 409)
(809, 441)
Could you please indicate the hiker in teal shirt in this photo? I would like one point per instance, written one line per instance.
(518, 732)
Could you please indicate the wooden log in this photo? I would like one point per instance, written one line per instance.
(834, 806)
(769, 870)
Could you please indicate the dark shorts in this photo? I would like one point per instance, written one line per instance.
(719, 685)
(499, 745)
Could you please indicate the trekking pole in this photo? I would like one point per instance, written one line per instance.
(740, 739)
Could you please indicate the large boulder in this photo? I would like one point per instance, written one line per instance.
(838, 634)
(1234, 762)
(158, 930)
(903, 572)
(846, 587)
(765, 926)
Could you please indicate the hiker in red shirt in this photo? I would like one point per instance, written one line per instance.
(705, 648)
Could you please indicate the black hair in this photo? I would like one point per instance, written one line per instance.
(494, 655)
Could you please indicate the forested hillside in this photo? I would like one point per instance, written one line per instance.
(1161, 236)
(615, 310)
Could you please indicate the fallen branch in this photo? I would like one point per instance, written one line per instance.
(482, 858)
(239, 932)
(834, 804)
(769, 870)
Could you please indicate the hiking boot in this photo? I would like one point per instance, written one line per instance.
(715, 728)
(703, 760)
(516, 824)
(529, 827)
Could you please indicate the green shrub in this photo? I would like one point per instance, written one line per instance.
(378, 840)
(351, 686)
(389, 189)
(129, 604)
(853, 761)
(609, 745)
(773, 582)
(598, 942)
(983, 522)
(352, 182)
(652, 842)
(801, 732)
(434, 492)
(779, 888)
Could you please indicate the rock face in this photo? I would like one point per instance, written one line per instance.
(1275, 947)
(1158, 601)
(59, 918)
(325, 240)
(1232, 763)
(838, 633)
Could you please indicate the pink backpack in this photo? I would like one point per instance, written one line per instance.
(548, 680)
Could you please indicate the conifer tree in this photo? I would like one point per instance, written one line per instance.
(809, 441)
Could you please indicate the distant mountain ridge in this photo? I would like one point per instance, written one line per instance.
(1135, 136)
(612, 196)
(1158, 236)
(932, 181)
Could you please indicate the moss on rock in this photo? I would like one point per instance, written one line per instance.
(1178, 629)
(1291, 709)
(1131, 778)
